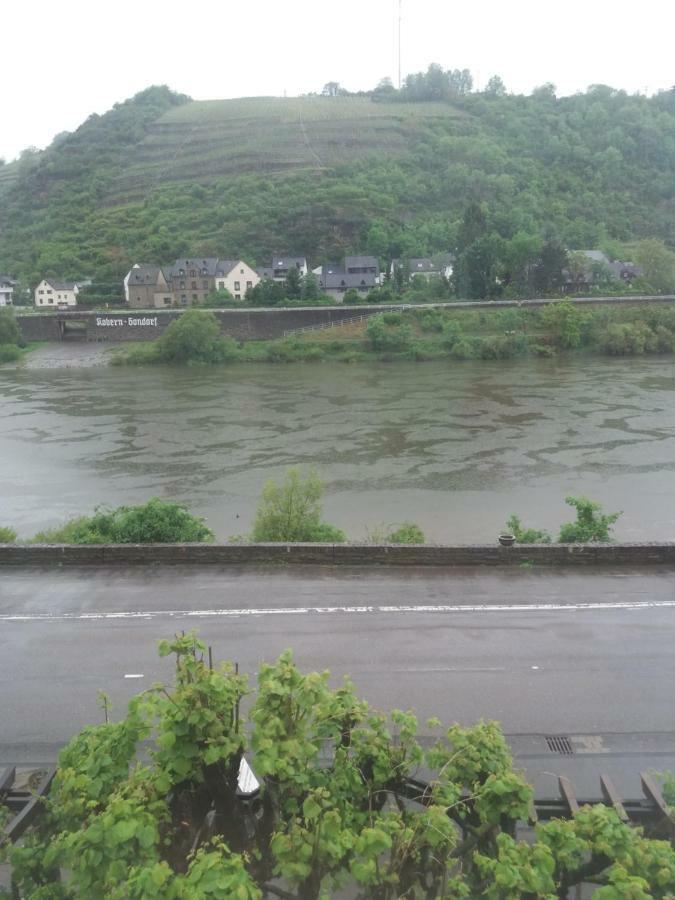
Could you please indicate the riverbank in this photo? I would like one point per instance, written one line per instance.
(440, 333)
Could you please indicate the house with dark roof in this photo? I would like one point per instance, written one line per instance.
(52, 293)
(6, 290)
(147, 287)
(192, 279)
(280, 266)
(588, 269)
(361, 273)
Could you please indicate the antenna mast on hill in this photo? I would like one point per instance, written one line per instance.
(400, 4)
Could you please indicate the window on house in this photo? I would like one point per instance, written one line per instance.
(183, 299)
(51, 299)
(221, 285)
(182, 285)
(40, 292)
(192, 273)
(249, 284)
(193, 285)
(49, 291)
(181, 271)
(241, 271)
(237, 296)
(237, 285)
(205, 285)
(195, 298)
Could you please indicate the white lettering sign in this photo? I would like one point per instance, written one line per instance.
(133, 321)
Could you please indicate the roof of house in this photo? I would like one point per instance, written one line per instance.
(280, 261)
(144, 274)
(6, 281)
(208, 263)
(595, 255)
(225, 266)
(61, 285)
(361, 262)
(335, 276)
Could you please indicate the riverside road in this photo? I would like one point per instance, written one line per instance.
(548, 651)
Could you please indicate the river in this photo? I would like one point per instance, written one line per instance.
(455, 447)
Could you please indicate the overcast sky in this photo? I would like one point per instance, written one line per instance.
(61, 61)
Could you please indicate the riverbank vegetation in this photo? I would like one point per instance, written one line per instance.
(150, 806)
(11, 342)
(421, 334)
(591, 526)
(155, 522)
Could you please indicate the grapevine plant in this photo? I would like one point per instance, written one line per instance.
(148, 807)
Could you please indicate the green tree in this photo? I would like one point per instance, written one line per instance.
(291, 511)
(340, 806)
(548, 273)
(7, 535)
(293, 284)
(310, 287)
(193, 336)
(495, 87)
(266, 293)
(9, 330)
(591, 525)
(658, 263)
(565, 322)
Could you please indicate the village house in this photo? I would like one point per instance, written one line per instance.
(588, 269)
(56, 293)
(192, 280)
(146, 287)
(281, 265)
(6, 290)
(362, 273)
(428, 267)
(235, 276)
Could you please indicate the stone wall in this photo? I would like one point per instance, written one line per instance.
(584, 555)
(247, 324)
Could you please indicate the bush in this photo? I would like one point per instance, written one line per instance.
(407, 533)
(565, 321)
(526, 535)
(192, 337)
(631, 340)
(9, 353)
(7, 535)
(591, 525)
(155, 522)
(352, 297)
(291, 512)
(389, 338)
(452, 334)
(463, 349)
(10, 333)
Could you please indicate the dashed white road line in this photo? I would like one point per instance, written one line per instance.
(340, 610)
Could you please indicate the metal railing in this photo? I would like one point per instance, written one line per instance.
(350, 320)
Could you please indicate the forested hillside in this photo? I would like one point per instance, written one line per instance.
(391, 173)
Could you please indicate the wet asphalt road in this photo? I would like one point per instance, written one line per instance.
(542, 651)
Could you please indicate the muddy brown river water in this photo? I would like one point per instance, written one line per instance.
(455, 447)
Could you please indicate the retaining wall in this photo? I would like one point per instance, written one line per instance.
(251, 324)
(337, 554)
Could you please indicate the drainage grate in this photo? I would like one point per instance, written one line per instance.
(560, 743)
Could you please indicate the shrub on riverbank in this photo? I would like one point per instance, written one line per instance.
(155, 522)
(428, 334)
(7, 535)
(292, 511)
(591, 526)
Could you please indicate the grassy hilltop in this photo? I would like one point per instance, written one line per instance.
(160, 175)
